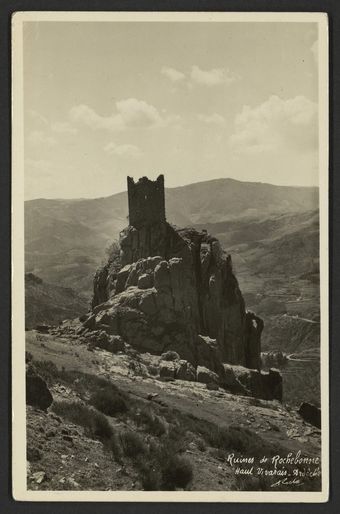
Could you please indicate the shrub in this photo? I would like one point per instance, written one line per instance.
(132, 443)
(108, 401)
(115, 447)
(150, 477)
(154, 424)
(46, 370)
(94, 422)
(177, 472)
(113, 253)
(170, 356)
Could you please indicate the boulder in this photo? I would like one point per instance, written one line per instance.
(167, 369)
(185, 371)
(37, 393)
(162, 276)
(310, 413)
(264, 385)
(122, 277)
(206, 376)
(231, 382)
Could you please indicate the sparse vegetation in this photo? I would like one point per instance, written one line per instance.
(113, 253)
(46, 370)
(108, 401)
(132, 443)
(95, 423)
(147, 418)
(177, 472)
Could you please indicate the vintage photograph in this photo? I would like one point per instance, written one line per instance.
(170, 322)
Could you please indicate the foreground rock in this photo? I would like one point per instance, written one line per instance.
(311, 414)
(37, 392)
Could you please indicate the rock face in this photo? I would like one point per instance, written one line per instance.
(37, 393)
(174, 289)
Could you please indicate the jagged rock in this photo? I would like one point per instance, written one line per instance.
(185, 371)
(167, 369)
(162, 276)
(231, 382)
(208, 353)
(122, 277)
(206, 376)
(265, 385)
(37, 393)
(145, 281)
(43, 329)
(310, 413)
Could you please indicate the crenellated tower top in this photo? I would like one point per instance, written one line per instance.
(146, 201)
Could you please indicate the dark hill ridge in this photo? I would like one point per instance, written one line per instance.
(63, 235)
(47, 303)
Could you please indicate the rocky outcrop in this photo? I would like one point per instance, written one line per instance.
(37, 393)
(310, 413)
(174, 289)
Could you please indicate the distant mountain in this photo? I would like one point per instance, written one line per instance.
(49, 303)
(65, 239)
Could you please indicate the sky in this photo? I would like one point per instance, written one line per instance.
(195, 101)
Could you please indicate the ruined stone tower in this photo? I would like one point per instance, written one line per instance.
(146, 201)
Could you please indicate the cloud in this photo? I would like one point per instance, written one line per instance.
(39, 138)
(63, 127)
(172, 74)
(212, 119)
(214, 77)
(124, 150)
(276, 123)
(130, 113)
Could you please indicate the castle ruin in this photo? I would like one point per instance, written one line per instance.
(146, 201)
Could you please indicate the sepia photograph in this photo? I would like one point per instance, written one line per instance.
(170, 253)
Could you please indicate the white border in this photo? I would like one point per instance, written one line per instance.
(20, 491)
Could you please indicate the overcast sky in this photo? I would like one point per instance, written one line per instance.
(194, 101)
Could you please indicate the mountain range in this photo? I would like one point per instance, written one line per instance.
(65, 240)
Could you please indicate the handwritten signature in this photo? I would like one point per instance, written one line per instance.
(287, 481)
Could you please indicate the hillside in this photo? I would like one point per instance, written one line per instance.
(116, 424)
(64, 239)
(49, 303)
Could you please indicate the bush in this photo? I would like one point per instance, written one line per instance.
(177, 472)
(47, 370)
(113, 253)
(154, 424)
(108, 401)
(132, 443)
(115, 447)
(94, 422)
(170, 356)
(150, 476)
